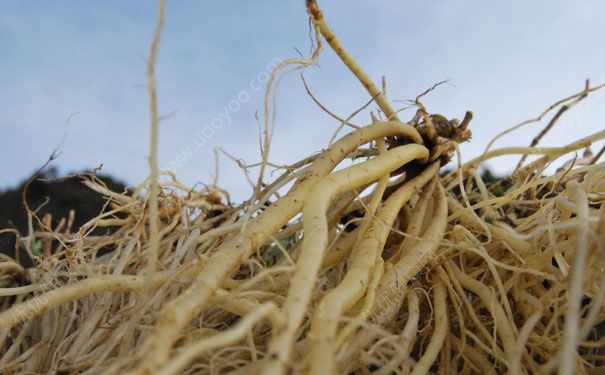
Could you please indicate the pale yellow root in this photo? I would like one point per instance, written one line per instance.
(189, 287)
(188, 354)
(503, 326)
(415, 224)
(243, 306)
(568, 354)
(331, 38)
(494, 349)
(366, 308)
(549, 152)
(472, 244)
(341, 248)
(408, 336)
(370, 299)
(474, 356)
(441, 329)
(471, 221)
(179, 312)
(98, 284)
(526, 330)
(369, 218)
(316, 238)
(412, 261)
(353, 286)
(375, 199)
(565, 102)
(154, 188)
(394, 283)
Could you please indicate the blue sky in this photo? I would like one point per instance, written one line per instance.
(506, 60)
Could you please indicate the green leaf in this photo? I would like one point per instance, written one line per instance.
(36, 247)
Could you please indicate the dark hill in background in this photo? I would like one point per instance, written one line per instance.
(63, 194)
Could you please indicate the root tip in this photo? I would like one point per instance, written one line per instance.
(314, 10)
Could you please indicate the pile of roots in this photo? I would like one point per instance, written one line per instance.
(364, 258)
